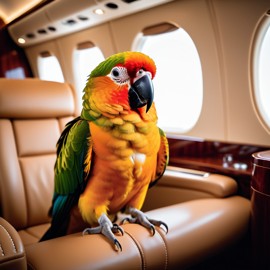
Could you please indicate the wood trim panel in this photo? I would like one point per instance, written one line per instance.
(211, 156)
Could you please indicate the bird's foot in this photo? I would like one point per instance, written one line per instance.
(139, 217)
(107, 229)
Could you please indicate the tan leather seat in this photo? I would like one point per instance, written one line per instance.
(32, 115)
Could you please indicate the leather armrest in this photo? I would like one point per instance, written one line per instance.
(89, 252)
(12, 254)
(179, 185)
(197, 230)
(219, 186)
(200, 229)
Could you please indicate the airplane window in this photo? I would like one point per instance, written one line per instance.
(261, 67)
(49, 68)
(86, 57)
(178, 82)
(16, 73)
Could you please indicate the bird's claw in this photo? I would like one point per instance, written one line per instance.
(117, 245)
(117, 229)
(160, 223)
(127, 219)
(153, 230)
(140, 218)
(107, 229)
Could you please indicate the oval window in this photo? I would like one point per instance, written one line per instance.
(260, 72)
(49, 68)
(86, 57)
(178, 82)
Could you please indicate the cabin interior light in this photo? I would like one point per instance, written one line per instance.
(21, 40)
(99, 11)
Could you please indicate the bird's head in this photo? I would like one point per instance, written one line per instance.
(121, 83)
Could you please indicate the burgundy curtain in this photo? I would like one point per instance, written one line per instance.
(13, 62)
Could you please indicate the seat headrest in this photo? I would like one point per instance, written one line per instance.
(34, 98)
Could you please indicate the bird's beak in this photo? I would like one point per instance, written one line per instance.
(141, 93)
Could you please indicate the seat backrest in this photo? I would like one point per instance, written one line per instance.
(32, 115)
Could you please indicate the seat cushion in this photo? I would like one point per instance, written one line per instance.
(33, 98)
(32, 116)
(32, 235)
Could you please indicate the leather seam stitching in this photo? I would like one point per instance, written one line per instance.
(12, 242)
(2, 251)
(166, 249)
(139, 248)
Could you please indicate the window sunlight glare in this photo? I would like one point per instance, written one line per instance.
(49, 69)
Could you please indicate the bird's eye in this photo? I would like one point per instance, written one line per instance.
(115, 72)
(119, 75)
(140, 72)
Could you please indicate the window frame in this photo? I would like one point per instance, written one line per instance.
(262, 27)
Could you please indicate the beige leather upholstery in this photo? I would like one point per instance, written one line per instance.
(23, 100)
(184, 185)
(32, 115)
(12, 254)
(204, 216)
(197, 230)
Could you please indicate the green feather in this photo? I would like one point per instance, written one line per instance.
(70, 177)
(102, 69)
(105, 67)
(69, 166)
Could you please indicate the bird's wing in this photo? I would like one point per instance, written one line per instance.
(162, 157)
(72, 166)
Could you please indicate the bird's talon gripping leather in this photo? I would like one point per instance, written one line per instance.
(107, 229)
(117, 229)
(117, 245)
(159, 224)
(85, 231)
(166, 227)
(153, 230)
(140, 218)
(91, 230)
(128, 220)
(123, 221)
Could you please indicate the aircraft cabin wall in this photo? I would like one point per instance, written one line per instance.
(223, 33)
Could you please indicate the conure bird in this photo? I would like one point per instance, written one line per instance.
(109, 156)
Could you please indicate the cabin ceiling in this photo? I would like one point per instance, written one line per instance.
(12, 9)
(62, 17)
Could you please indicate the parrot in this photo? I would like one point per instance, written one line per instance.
(108, 157)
